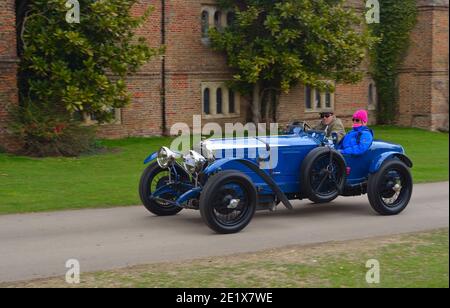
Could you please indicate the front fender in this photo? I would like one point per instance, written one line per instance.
(217, 165)
(151, 157)
(376, 163)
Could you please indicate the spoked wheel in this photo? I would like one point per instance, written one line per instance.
(153, 178)
(228, 202)
(390, 189)
(323, 175)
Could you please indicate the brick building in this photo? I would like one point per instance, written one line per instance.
(190, 80)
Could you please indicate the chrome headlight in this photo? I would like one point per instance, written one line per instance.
(194, 162)
(208, 152)
(166, 156)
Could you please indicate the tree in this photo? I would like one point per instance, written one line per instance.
(82, 66)
(289, 42)
(70, 68)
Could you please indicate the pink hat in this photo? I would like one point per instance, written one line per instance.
(361, 115)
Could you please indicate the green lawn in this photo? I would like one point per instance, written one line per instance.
(428, 151)
(411, 261)
(30, 185)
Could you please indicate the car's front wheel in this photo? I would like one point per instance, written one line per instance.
(390, 189)
(153, 178)
(228, 202)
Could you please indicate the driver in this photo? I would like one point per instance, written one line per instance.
(331, 124)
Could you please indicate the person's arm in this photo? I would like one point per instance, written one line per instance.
(364, 145)
(339, 129)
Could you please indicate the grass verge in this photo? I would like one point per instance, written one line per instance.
(411, 260)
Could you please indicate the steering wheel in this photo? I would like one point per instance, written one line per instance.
(298, 124)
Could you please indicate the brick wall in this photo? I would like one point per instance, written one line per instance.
(189, 62)
(439, 81)
(143, 116)
(423, 81)
(8, 69)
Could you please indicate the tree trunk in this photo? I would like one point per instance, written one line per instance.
(275, 100)
(256, 104)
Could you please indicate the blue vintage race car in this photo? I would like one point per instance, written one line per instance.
(229, 179)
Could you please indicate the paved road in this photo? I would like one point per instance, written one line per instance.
(38, 245)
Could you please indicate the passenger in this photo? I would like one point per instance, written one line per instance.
(360, 139)
(331, 124)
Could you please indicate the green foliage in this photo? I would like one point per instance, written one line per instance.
(69, 68)
(71, 65)
(397, 19)
(287, 42)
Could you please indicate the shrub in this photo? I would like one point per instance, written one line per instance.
(46, 134)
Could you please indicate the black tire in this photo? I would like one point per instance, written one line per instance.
(318, 183)
(384, 197)
(145, 191)
(221, 189)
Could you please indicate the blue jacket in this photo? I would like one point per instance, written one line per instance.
(357, 141)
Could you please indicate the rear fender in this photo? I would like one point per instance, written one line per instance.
(377, 163)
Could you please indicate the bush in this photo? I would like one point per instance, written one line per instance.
(45, 133)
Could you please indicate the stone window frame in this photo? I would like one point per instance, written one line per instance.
(205, 24)
(206, 111)
(323, 98)
(212, 11)
(213, 87)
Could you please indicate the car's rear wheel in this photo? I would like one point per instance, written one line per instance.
(323, 175)
(228, 202)
(390, 189)
(153, 178)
